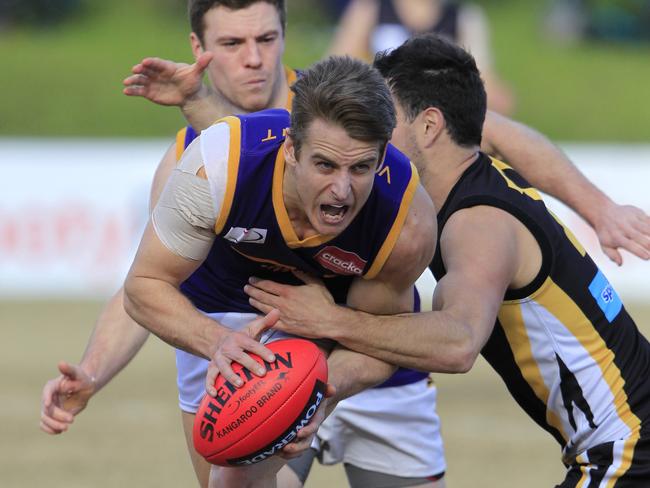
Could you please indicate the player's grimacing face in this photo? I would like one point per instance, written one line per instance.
(334, 176)
(247, 45)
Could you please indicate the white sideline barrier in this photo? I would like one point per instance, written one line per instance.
(72, 212)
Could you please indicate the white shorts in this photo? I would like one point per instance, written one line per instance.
(191, 370)
(393, 430)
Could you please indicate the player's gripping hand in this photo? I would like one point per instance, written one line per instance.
(304, 310)
(64, 397)
(623, 227)
(234, 346)
(305, 436)
(166, 82)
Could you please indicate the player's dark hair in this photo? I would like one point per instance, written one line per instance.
(345, 92)
(429, 71)
(197, 9)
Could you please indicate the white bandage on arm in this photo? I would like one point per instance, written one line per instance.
(185, 215)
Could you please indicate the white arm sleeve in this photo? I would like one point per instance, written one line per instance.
(185, 215)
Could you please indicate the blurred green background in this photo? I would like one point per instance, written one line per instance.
(64, 78)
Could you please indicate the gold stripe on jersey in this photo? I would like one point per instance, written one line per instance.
(569, 314)
(516, 333)
(501, 167)
(284, 222)
(625, 458)
(570, 235)
(277, 264)
(291, 76)
(180, 143)
(585, 476)
(396, 228)
(233, 170)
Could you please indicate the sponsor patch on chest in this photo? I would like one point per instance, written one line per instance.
(242, 234)
(340, 261)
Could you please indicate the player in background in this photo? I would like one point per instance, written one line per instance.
(367, 27)
(513, 285)
(116, 338)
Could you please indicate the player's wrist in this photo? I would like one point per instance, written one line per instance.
(337, 324)
(91, 377)
(196, 98)
(595, 208)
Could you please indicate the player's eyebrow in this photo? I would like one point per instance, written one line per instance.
(321, 157)
(227, 38)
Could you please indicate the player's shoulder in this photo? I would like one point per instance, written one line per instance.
(416, 243)
(396, 175)
(268, 116)
(420, 226)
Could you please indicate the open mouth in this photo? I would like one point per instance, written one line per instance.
(333, 214)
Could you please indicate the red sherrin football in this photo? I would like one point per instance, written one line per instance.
(246, 425)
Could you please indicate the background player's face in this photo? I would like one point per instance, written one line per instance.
(248, 46)
(333, 175)
(403, 137)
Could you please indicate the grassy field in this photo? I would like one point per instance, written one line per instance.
(66, 80)
(131, 436)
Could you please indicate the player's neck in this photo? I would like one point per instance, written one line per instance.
(294, 207)
(280, 95)
(442, 168)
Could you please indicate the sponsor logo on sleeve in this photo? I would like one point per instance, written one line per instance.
(605, 296)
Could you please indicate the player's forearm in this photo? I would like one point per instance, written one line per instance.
(163, 310)
(352, 35)
(115, 340)
(204, 109)
(351, 372)
(431, 341)
(543, 164)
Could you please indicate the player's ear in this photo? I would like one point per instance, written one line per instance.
(290, 150)
(197, 46)
(433, 123)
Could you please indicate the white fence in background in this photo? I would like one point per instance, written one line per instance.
(72, 212)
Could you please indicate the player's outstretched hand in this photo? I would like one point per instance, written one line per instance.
(305, 435)
(304, 310)
(166, 82)
(234, 346)
(64, 397)
(623, 227)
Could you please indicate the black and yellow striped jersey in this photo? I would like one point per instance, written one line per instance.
(564, 345)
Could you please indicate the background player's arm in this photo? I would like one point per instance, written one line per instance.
(474, 35)
(114, 342)
(546, 167)
(352, 36)
(178, 84)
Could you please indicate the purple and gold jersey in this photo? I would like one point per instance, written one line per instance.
(255, 236)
